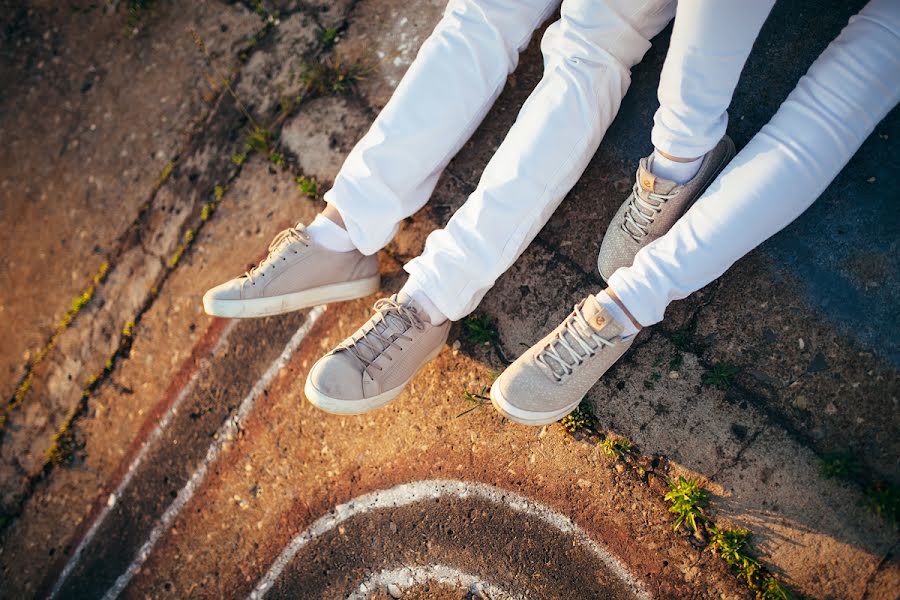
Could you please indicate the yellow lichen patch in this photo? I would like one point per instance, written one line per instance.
(164, 174)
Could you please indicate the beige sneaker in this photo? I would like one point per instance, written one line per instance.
(372, 366)
(297, 273)
(550, 379)
(653, 207)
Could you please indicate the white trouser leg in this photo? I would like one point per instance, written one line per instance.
(710, 43)
(784, 168)
(456, 76)
(587, 59)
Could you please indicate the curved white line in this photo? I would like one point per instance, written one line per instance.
(409, 493)
(407, 577)
(161, 425)
(225, 434)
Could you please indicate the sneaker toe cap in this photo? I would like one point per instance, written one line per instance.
(337, 376)
(230, 290)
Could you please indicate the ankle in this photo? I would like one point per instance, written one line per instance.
(329, 234)
(412, 292)
(334, 215)
(679, 170)
(613, 305)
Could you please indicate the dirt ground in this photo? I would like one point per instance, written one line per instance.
(149, 450)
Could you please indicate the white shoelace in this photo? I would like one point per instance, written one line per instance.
(373, 343)
(635, 214)
(288, 236)
(579, 349)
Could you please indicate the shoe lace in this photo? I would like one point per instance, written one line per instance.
(374, 341)
(573, 340)
(641, 212)
(288, 236)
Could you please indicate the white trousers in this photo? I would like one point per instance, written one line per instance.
(458, 73)
(784, 168)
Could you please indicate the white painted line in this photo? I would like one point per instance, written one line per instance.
(225, 434)
(135, 464)
(418, 491)
(405, 578)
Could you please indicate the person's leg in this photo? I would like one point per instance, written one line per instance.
(710, 43)
(711, 40)
(457, 74)
(588, 55)
(784, 168)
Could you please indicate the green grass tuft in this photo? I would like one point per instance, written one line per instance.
(884, 499)
(839, 465)
(720, 376)
(733, 545)
(329, 37)
(687, 499)
(477, 399)
(277, 159)
(308, 186)
(479, 329)
(616, 447)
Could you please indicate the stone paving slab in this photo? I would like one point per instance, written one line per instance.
(85, 139)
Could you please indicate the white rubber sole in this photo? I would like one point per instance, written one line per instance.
(526, 417)
(337, 406)
(276, 305)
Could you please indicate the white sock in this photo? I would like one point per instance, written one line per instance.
(628, 328)
(679, 172)
(326, 232)
(412, 292)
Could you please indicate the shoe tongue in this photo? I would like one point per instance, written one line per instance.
(648, 182)
(599, 318)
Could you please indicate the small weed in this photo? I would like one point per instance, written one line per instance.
(478, 399)
(128, 330)
(136, 11)
(258, 140)
(884, 499)
(772, 589)
(616, 447)
(839, 465)
(329, 37)
(335, 77)
(480, 329)
(733, 545)
(720, 376)
(239, 158)
(219, 191)
(189, 236)
(308, 186)
(277, 159)
(650, 382)
(579, 420)
(676, 362)
(687, 498)
(681, 339)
